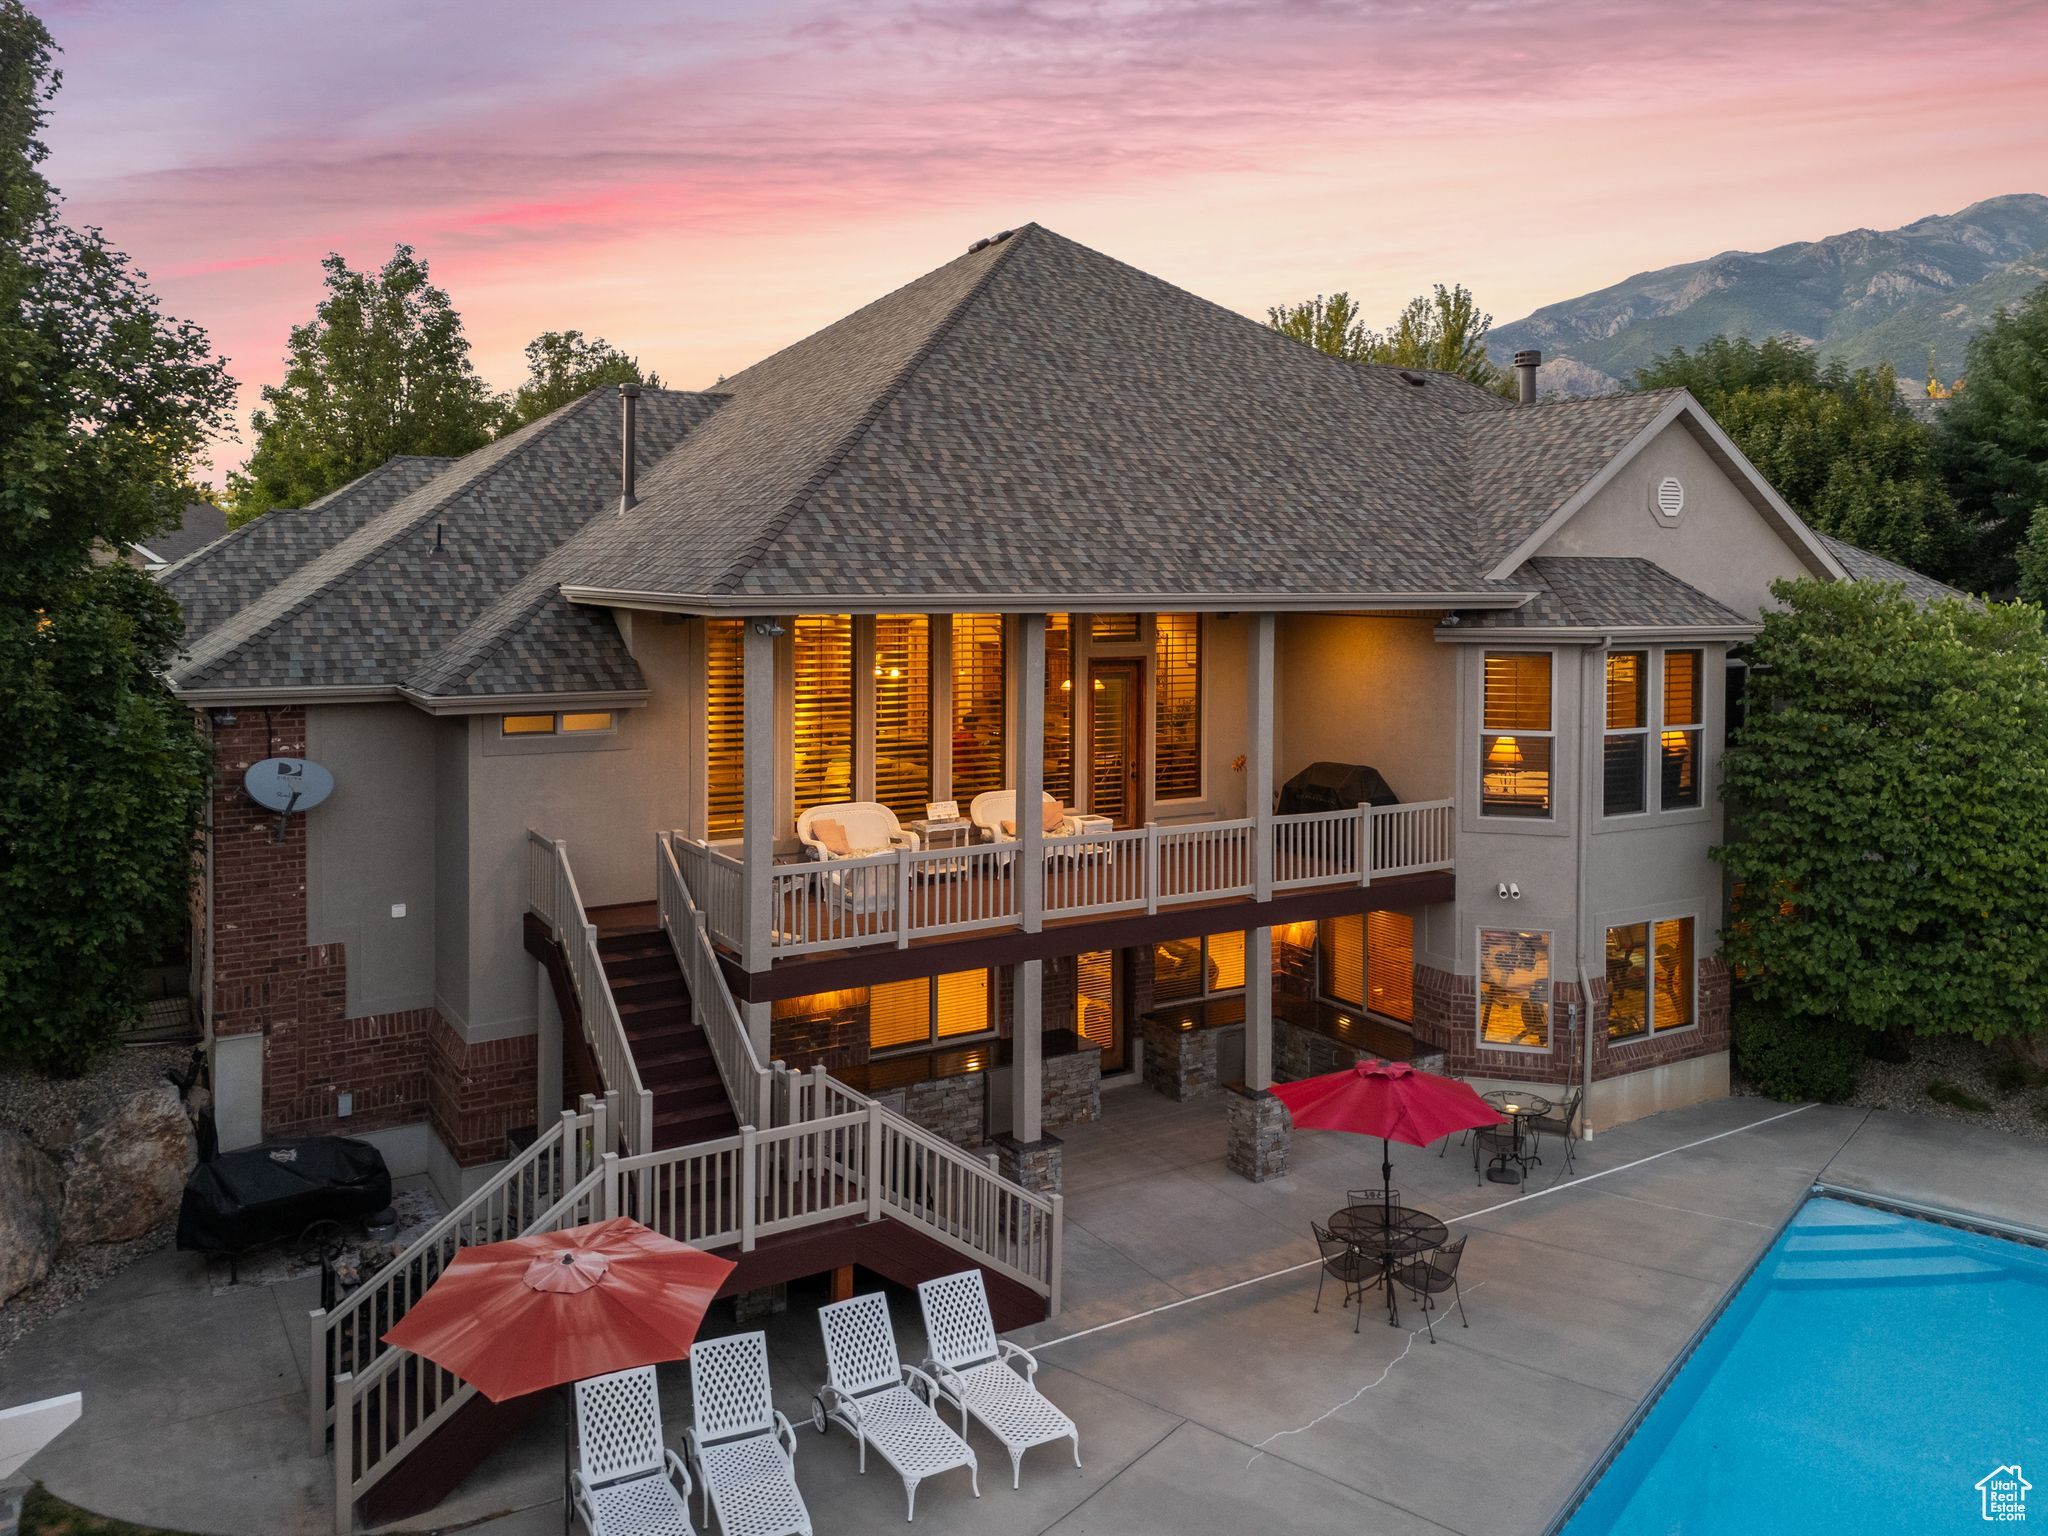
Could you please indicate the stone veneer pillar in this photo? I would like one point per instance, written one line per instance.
(1033, 1164)
(1258, 1137)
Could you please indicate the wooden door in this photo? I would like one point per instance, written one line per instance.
(1116, 741)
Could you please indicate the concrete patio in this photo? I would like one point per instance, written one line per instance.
(1209, 1397)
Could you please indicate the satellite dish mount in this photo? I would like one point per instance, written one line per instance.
(287, 784)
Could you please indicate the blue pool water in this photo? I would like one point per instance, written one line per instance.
(1871, 1370)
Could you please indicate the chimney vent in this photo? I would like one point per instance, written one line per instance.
(1526, 364)
(629, 405)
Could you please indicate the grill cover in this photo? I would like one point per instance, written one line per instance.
(276, 1190)
(1334, 787)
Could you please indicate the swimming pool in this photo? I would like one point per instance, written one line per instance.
(1871, 1370)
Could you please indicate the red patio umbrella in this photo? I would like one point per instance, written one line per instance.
(1387, 1099)
(520, 1316)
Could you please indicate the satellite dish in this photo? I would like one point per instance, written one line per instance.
(287, 784)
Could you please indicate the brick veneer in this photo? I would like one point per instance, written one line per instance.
(400, 1068)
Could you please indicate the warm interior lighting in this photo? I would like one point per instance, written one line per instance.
(1066, 685)
(1505, 752)
(589, 720)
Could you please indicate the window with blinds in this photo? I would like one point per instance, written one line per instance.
(978, 705)
(724, 726)
(1177, 707)
(1059, 708)
(1649, 977)
(924, 1011)
(1342, 959)
(1671, 970)
(1113, 628)
(1628, 970)
(1625, 764)
(1390, 965)
(1226, 961)
(903, 713)
(822, 706)
(1679, 742)
(1515, 735)
(1514, 988)
(1095, 1006)
(1179, 970)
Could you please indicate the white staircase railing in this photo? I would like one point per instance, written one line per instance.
(552, 895)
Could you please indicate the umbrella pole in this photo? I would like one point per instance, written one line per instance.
(568, 1412)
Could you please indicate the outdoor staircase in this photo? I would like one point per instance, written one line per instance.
(669, 1047)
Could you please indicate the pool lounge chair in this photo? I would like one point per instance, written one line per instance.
(626, 1482)
(980, 1372)
(741, 1445)
(882, 1402)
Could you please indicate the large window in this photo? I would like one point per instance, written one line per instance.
(1177, 699)
(928, 1010)
(1367, 961)
(724, 726)
(823, 705)
(1649, 977)
(1515, 738)
(1095, 1006)
(1184, 969)
(1679, 743)
(1626, 760)
(903, 713)
(979, 762)
(1059, 708)
(1514, 988)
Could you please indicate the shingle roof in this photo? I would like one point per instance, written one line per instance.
(1865, 566)
(1606, 592)
(202, 523)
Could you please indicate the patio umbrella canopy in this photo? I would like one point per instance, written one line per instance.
(1387, 1099)
(520, 1316)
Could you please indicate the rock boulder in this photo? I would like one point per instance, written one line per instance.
(30, 1200)
(128, 1169)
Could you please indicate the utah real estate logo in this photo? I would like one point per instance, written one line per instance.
(2005, 1494)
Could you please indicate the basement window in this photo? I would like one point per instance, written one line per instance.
(527, 725)
(568, 723)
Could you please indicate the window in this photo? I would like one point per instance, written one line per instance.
(1514, 742)
(1059, 708)
(903, 713)
(1514, 989)
(1113, 628)
(979, 761)
(568, 723)
(724, 726)
(1177, 706)
(1096, 1006)
(1626, 761)
(1679, 743)
(1367, 961)
(823, 708)
(1649, 977)
(928, 1010)
(1184, 969)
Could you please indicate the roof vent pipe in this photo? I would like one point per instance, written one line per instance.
(1526, 364)
(629, 404)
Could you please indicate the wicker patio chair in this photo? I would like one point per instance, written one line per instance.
(880, 1401)
(1428, 1277)
(1347, 1266)
(626, 1482)
(979, 1371)
(1561, 1122)
(742, 1447)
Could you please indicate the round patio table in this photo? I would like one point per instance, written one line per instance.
(1388, 1233)
(1517, 1106)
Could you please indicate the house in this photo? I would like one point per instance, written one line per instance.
(202, 523)
(1036, 522)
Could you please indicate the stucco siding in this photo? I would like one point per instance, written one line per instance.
(1368, 690)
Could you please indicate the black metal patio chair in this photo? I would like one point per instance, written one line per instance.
(1490, 1143)
(1430, 1276)
(1561, 1122)
(1346, 1265)
(1372, 1197)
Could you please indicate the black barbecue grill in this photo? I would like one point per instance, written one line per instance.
(1334, 787)
(278, 1191)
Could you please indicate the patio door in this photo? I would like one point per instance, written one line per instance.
(1116, 741)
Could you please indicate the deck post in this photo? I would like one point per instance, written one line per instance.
(1365, 843)
(611, 1186)
(875, 1177)
(1031, 776)
(1258, 787)
(750, 1186)
(904, 892)
(1151, 866)
(1027, 1048)
(757, 788)
(1058, 1254)
(344, 1454)
(1258, 1008)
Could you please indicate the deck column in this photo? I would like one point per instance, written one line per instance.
(1027, 1155)
(1258, 1008)
(1031, 782)
(1258, 785)
(757, 780)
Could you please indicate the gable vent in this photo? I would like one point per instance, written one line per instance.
(1668, 499)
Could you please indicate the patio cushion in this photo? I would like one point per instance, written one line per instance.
(831, 836)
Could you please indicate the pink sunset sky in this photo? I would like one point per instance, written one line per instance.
(704, 182)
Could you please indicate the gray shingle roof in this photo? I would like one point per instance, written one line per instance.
(1602, 592)
(202, 523)
(1865, 566)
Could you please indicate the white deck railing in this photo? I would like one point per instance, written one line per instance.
(552, 895)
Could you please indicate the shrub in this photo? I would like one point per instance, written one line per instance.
(2012, 1073)
(1796, 1058)
(1955, 1096)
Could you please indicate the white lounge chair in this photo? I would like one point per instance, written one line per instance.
(882, 1402)
(626, 1482)
(865, 827)
(742, 1447)
(991, 809)
(978, 1371)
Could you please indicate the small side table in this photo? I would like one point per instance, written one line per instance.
(944, 835)
(1085, 826)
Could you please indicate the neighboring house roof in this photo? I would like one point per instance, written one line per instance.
(202, 523)
(1865, 566)
(1598, 594)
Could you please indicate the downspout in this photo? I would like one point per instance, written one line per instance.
(1585, 1006)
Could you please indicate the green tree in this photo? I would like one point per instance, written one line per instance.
(1994, 437)
(105, 410)
(1889, 809)
(566, 365)
(381, 369)
(2032, 559)
(1841, 447)
(1443, 330)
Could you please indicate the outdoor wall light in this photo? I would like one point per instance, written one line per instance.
(772, 628)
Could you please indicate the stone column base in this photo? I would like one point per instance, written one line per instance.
(765, 1302)
(1033, 1164)
(1259, 1132)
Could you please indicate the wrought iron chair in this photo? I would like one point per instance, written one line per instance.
(1488, 1144)
(1372, 1197)
(626, 1482)
(980, 1372)
(742, 1447)
(1348, 1267)
(1561, 1122)
(1430, 1276)
(882, 1402)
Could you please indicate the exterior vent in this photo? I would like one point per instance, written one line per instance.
(979, 245)
(1668, 499)
(1416, 379)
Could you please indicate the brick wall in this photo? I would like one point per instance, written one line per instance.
(268, 980)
